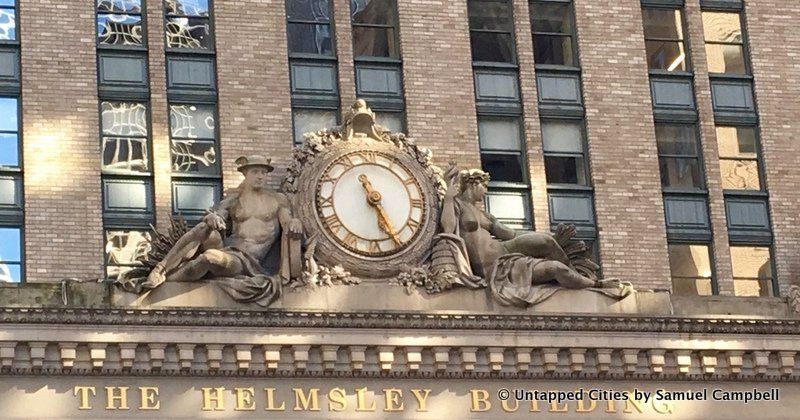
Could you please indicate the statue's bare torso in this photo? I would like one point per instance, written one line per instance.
(255, 221)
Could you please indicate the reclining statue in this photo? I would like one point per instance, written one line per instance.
(259, 219)
(524, 268)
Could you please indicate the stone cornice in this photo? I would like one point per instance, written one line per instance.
(398, 320)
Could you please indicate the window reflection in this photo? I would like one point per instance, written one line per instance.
(724, 42)
(552, 26)
(752, 271)
(690, 267)
(664, 39)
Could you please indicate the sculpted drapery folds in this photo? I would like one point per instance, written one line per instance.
(521, 269)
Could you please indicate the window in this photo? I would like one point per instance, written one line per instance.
(501, 149)
(124, 250)
(564, 156)
(193, 139)
(664, 39)
(9, 133)
(491, 31)
(752, 271)
(738, 158)
(8, 20)
(188, 24)
(311, 121)
(374, 28)
(690, 265)
(124, 144)
(724, 42)
(10, 254)
(119, 23)
(553, 33)
(309, 27)
(10, 192)
(510, 207)
(392, 121)
(678, 156)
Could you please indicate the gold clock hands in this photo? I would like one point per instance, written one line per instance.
(374, 199)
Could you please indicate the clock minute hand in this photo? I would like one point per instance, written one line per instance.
(374, 199)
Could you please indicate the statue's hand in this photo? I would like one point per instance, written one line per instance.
(295, 227)
(451, 175)
(214, 221)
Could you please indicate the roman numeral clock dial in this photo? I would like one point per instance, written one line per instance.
(370, 203)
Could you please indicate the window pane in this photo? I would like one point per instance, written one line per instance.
(662, 23)
(722, 27)
(310, 39)
(507, 205)
(740, 174)
(492, 15)
(117, 6)
(680, 173)
(127, 195)
(187, 7)
(309, 120)
(666, 55)
(759, 288)
(10, 244)
(8, 25)
(124, 118)
(492, 47)
(392, 121)
(118, 29)
(689, 260)
(499, 133)
(194, 197)
(725, 59)
(737, 142)
(190, 32)
(751, 262)
(503, 167)
(379, 12)
(674, 139)
(192, 121)
(9, 150)
(374, 42)
(564, 137)
(10, 273)
(553, 50)
(691, 287)
(9, 120)
(550, 17)
(124, 249)
(565, 170)
(316, 10)
(194, 156)
(125, 154)
(11, 191)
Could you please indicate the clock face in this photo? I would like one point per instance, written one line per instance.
(370, 203)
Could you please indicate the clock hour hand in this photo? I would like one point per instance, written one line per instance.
(374, 199)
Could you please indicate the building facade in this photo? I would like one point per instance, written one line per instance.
(663, 130)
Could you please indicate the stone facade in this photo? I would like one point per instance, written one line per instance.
(60, 107)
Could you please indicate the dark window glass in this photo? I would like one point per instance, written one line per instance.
(503, 167)
(374, 42)
(690, 266)
(310, 38)
(490, 15)
(565, 170)
(666, 55)
(663, 24)
(308, 10)
(374, 12)
(663, 33)
(680, 173)
(679, 156)
(492, 47)
(551, 17)
(553, 49)
(552, 26)
(564, 156)
(674, 139)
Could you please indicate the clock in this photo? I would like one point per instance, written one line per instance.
(369, 203)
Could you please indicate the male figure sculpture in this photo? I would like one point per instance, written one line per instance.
(512, 262)
(257, 216)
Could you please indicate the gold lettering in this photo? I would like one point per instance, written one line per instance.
(610, 407)
(393, 399)
(302, 402)
(582, 406)
(663, 407)
(554, 408)
(535, 406)
(111, 397)
(149, 394)
(271, 401)
(508, 408)
(630, 403)
(337, 396)
(480, 400)
(244, 399)
(361, 401)
(217, 398)
(84, 392)
(422, 399)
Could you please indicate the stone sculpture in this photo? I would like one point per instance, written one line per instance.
(522, 269)
(258, 219)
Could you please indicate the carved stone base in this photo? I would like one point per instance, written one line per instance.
(386, 297)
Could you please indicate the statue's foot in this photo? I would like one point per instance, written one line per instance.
(155, 278)
(608, 283)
